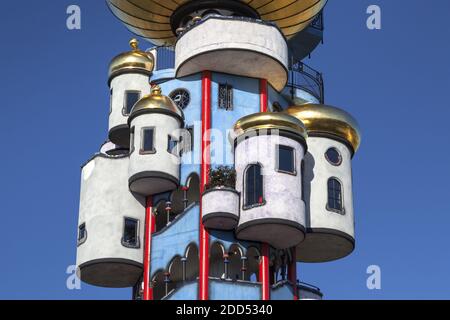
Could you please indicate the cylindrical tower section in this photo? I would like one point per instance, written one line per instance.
(269, 150)
(128, 81)
(333, 138)
(155, 123)
(111, 225)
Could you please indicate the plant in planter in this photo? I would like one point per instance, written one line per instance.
(221, 177)
(220, 201)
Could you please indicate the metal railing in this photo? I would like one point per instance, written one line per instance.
(305, 78)
(165, 57)
(318, 22)
(301, 76)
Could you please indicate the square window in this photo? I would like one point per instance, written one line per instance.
(286, 159)
(131, 97)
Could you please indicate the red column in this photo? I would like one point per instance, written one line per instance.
(292, 274)
(265, 249)
(204, 178)
(263, 94)
(149, 230)
(264, 271)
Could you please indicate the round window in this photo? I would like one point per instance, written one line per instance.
(181, 97)
(333, 156)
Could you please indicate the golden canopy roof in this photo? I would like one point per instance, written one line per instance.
(158, 103)
(151, 18)
(329, 121)
(270, 120)
(134, 60)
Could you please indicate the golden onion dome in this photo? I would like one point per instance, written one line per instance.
(132, 61)
(323, 120)
(270, 120)
(156, 102)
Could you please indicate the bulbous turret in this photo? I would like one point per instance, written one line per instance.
(328, 121)
(156, 102)
(333, 139)
(155, 122)
(133, 61)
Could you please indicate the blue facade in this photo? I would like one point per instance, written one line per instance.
(172, 242)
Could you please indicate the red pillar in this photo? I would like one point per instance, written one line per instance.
(264, 271)
(149, 230)
(265, 249)
(263, 95)
(292, 274)
(204, 178)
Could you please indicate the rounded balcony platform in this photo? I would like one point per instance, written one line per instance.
(324, 246)
(153, 19)
(220, 209)
(238, 46)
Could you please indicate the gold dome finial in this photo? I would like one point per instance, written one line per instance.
(156, 91)
(133, 61)
(134, 44)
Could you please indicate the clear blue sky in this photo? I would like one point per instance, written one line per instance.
(54, 101)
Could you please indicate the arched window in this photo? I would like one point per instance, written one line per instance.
(335, 202)
(253, 186)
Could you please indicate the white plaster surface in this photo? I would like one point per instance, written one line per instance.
(236, 47)
(282, 191)
(161, 161)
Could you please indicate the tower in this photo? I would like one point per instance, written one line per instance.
(224, 167)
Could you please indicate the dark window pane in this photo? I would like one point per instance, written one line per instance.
(253, 186)
(286, 159)
(181, 97)
(81, 232)
(130, 100)
(147, 144)
(225, 97)
(130, 236)
(333, 156)
(334, 195)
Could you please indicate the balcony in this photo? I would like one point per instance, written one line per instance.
(309, 292)
(234, 45)
(305, 84)
(303, 43)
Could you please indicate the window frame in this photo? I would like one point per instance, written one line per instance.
(228, 103)
(124, 108)
(191, 131)
(328, 207)
(132, 139)
(80, 241)
(137, 245)
(277, 160)
(175, 147)
(341, 159)
(111, 95)
(244, 182)
(188, 94)
(141, 149)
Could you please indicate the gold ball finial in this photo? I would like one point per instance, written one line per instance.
(156, 91)
(134, 44)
